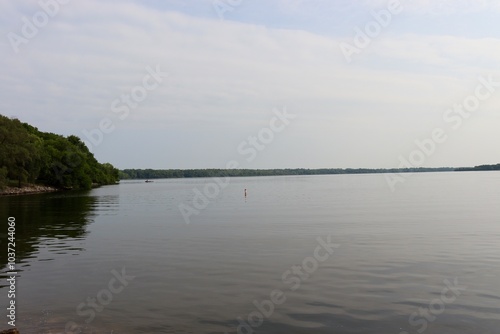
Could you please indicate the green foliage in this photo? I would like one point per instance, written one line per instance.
(30, 155)
(3, 177)
(19, 151)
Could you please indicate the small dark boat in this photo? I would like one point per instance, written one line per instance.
(147, 181)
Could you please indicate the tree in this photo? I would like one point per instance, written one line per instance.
(19, 151)
(27, 154)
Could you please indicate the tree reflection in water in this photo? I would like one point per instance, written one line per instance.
(45, 223)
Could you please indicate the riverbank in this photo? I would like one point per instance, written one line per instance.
(27, 190)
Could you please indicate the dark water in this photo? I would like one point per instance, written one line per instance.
(425, 258)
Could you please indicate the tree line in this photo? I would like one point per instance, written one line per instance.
(28, 155)
(189, 173)
(479, 168)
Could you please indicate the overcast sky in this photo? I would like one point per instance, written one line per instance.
(228, 66)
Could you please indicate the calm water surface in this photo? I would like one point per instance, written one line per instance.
(425, 258)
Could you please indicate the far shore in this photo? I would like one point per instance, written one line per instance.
(27, 190)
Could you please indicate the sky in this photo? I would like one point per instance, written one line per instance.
(264, 83)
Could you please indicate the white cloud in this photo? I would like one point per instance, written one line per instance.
(228, 76)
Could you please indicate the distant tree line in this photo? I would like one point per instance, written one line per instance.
(190, 173)
(479, 168)
(29, 155)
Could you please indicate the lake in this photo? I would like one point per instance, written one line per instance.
(305, 254)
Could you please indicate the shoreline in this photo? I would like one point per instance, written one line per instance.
(27, 190)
